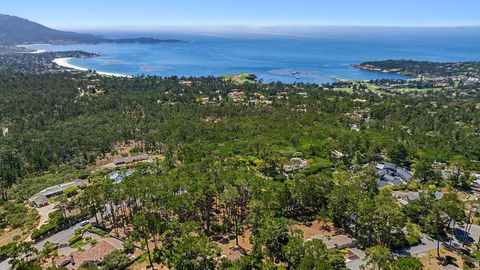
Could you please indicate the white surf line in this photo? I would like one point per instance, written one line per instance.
(64, 63)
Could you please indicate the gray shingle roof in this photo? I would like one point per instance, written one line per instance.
(382, 172)
(404, 174)
(53, 190)
(382, 183)
(388, 177)
(390, 166)
(39, 200)
(391, 173)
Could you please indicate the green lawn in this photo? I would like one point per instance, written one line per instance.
(343, 89)
(243, 78)
(79, 244)
(317, 165)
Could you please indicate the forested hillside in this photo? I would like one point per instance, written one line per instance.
(50, 124)
(17, 31)
(225, 171)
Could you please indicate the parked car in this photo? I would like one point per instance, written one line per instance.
(84, 223)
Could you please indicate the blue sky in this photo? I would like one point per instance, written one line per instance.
(107, 13)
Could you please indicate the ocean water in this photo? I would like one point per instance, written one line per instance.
(313, 56)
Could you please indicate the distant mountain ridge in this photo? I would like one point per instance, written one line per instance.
(19, 31)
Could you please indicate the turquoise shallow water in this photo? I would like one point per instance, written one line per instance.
(314, 58)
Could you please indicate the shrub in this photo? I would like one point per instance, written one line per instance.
(128, 246)
(16, 215)
(407, 264)
(57, 214)
(97, 231)
(6, 249)
(74, 239)
(48, 248)
(70, 191)
(45, 228)
(412, 235)
(398, 241)
(93, 241)
(115, 260)
(78, 231)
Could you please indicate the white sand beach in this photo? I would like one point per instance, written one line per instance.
(38, 51)
(64, 63)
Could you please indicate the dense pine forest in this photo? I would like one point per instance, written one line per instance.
(51, 124)
(224, 148)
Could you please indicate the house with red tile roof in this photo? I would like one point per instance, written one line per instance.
(82, 258)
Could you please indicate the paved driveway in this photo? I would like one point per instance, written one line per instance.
(5, 265)
(44, 212)
(355, 264)
(61, 237)
(473, 235)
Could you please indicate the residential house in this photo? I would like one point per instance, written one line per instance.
(83, 258)
(127, 160)
(338, 241)
(407, 197)
(282, 95)
(355, 127)
(140, 157)
(38, 200)
(117, 177)
(295, 164)
(122, 161)
(392, 174)
(237, 96)
(53, 191)
(185, 83)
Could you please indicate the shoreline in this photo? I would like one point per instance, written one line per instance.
(30, 50)
(38, 51)
(370, 68)
(28, 47)
(63, 62)
(33, 45)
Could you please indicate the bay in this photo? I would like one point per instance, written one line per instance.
(314, 56)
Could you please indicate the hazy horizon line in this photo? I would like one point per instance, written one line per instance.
(247, 27)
